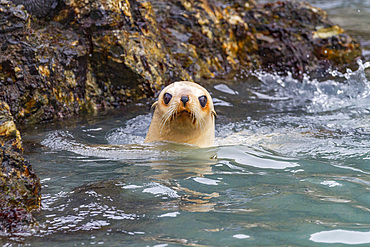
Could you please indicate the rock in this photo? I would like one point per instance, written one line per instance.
(40, 8)
(19, 185)
(220, 36)
(97, 54)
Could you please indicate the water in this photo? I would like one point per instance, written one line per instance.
(290, 167)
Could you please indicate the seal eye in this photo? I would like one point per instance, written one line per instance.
(167, 98)
(203, 100)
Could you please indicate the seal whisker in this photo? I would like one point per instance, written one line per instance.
(193, 116)
(200, 119)
(169, 114)
(196, 117)
(203, 122)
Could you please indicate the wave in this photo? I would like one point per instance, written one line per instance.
(314, 96)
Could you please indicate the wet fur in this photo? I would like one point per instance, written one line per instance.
(192, 124)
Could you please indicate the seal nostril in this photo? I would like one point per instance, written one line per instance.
(184, 99)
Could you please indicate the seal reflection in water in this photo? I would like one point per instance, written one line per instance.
(184, 113)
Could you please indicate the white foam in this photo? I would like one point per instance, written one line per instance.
(158, 190)
(331, 183)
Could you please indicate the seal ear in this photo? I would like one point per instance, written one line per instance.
(214, 113)
(155, 104)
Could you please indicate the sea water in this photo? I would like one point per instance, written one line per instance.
(290, 167)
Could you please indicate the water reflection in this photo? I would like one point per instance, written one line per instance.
(90, 207)
(250, 157)
(341, 237)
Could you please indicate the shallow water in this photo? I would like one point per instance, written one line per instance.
(290, 167)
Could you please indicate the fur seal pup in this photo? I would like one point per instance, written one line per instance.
(183, 113)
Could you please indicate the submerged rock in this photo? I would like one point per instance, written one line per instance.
(19, 185)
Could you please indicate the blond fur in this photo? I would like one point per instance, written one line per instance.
(190, 123)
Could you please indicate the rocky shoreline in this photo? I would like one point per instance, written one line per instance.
(20, 188)
(62, 58)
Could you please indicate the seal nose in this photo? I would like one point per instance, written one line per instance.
(184, 99)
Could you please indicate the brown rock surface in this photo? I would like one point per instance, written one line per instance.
(94, 54)
(19, 185)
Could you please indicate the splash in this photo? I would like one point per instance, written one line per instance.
(132, 133)
(314, 96)
(306, 118)
(62, 140)
(65, 141)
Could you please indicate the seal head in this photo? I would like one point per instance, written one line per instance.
(184, 113)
